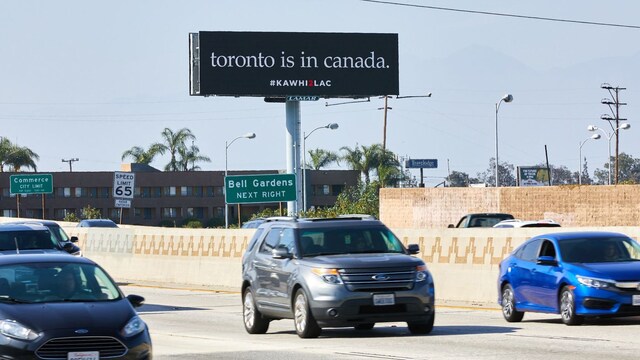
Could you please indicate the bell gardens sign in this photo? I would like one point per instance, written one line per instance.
(300, 64)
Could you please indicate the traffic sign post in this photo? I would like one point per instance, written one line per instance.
(31, 184)
(243, 189)
(421, 164)
(123, 190)
(24, 184)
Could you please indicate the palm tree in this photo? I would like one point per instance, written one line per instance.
(173, 142)
(16, 156)
(191, 156)
(22, 157)
(142, 156)
(388, 170)
(321, 158)
(363, 159)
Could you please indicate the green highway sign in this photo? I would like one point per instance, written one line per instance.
(241, 189)
(31, 184)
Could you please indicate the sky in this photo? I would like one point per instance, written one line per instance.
(91, 79)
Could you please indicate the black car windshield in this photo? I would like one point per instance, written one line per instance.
(55, 282)
(27, 240)
(348, 241)
(598, 250)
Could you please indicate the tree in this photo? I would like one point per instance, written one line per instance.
(142, 156)
(189, 157)
(560, 175)
(628, 170)
(321, 158)
(388, 170)
(458, 179)
(586, 179)
(505, 173)
(173, 142)
(21, 157)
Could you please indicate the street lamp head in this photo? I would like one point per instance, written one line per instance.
(595, 136)
(507, 98)
(332, 126)
(249, 135)
(592, 128)
(625, 126)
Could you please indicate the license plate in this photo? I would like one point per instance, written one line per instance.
(384, 299)
(83, 355)
(635, 300)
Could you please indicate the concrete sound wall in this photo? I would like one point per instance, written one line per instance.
(571, 205)
(464, 262)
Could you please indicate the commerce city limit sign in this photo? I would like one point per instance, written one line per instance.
(31, 184)
(243, 189)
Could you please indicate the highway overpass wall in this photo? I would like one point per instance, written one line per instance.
(464, 262)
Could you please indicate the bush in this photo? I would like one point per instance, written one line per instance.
(192, 224)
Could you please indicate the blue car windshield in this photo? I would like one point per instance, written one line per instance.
(599, 250)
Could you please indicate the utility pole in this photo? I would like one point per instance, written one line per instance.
(614, 106)
(70, 161)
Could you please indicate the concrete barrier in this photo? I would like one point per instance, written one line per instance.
(464, 262)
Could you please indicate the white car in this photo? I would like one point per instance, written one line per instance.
(517, 223)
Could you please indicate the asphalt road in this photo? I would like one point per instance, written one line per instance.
(196, 324)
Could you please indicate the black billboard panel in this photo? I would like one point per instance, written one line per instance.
(301, 64)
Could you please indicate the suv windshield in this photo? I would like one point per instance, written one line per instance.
(348, 241)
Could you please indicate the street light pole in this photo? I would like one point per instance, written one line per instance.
(594, 137)
(624, 126)
(386, 108)
(507, 98)
(331, 126)
(70, 161)
(226, 169)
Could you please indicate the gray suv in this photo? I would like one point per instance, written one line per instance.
(341, 272)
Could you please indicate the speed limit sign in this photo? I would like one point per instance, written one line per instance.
(123, 185)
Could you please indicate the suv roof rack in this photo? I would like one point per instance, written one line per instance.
(281, 218)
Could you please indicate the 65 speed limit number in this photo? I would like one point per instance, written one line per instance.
(123, 185)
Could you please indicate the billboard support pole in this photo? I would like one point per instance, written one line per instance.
(293, 151)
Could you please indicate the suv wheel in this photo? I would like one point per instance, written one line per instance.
(306, 325)
(422, 327)
(254, 323)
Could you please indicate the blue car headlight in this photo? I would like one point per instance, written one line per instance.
(134, 327)
(16, 330)
(595, 283)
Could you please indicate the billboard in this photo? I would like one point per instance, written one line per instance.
(298, 64)
(533, 176)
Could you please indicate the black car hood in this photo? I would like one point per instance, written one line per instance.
(65, 315)
(362, 261)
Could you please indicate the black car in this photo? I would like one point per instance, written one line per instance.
(30, 238)
(66, 307)
(67, 243)
(340, 272)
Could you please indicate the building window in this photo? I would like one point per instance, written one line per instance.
(62, 213)
(146, 213)
(103, 192)
(63, 192)
(218, 212)
(336, 189)
(33, 213)
(78, 192)
(170, 191)
(114, 213)
(197, 212)
(9, 213)
(170, 212)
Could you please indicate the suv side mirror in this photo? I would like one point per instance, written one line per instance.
(450, 226)
(73, 239)
(135, 300)
(281, 253)
(413, 249)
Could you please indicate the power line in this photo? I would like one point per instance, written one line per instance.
(582, 22)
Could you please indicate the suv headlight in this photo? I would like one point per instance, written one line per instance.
(133, 327)
(595, 283)
(16, 330)
(421, 273)
(330, 276)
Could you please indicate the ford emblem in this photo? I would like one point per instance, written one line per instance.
(381, 277)
(82, 331)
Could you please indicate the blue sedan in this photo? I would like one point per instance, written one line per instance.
(574, 274)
